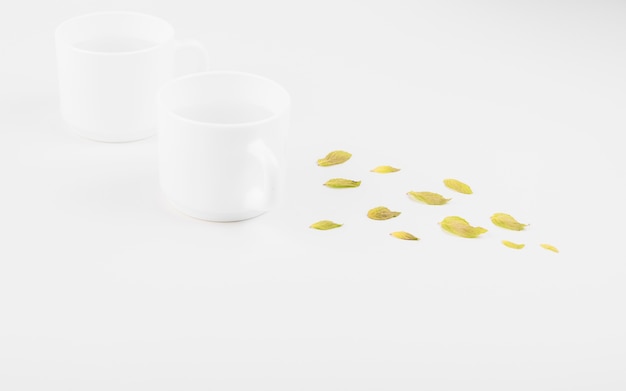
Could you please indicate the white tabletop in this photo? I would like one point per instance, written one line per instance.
(103, 286)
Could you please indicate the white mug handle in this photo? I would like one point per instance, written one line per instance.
(198, 60)
(271, 172)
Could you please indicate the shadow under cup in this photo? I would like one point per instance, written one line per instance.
(221, 138)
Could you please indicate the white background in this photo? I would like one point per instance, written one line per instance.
(103, 286)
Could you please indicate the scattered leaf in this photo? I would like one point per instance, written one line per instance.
(428, 197)
(340, 183)
(334, 157)
(506, 221)
(403, 235)
(460, 227)
(549, 247)
(382, 213)
(325, 225)
(385, 169)
(513, 245)
(457, 186)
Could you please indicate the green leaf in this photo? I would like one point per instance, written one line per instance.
(403, 235)
(325, 225)
(381, 213)
(428, 197)
(457, 186)
(334, 157)
(340, 183)
(460, 227)
(549, 247)
(513, 245)
(385, 169)
(506, 221)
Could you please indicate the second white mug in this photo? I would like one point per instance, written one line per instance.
(221, 139)
(110, 67)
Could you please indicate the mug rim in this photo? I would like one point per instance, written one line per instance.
(120, 53)
(272, 117)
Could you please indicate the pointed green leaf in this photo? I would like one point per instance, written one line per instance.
(385, 169)
(513, 245)
(334, 157)
(428, 197)
(549, 247)
(325, 225)
(403, 235)
(381, 213)
(340, 183)
(460, 227)
(506, 221)
(457, 186)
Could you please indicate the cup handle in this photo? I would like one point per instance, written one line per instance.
(195, 60)
(272, 174)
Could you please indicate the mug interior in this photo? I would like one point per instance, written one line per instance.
(150, 30)
(224, 98)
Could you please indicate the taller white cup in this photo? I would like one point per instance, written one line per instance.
(110, 67)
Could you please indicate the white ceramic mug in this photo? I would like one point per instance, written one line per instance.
(110, 67)
(221, 138)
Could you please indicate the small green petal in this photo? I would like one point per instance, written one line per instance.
(340, 183)
(457, 186)
(403, 235)
(549, 247)
(513, 245)
(428, 197)
(385, 169)
(460, 227)
(381, 213)
(324, 225)
(506, 221)
(334, 157)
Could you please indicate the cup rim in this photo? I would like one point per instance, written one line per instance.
(272, 117)
(121, 53)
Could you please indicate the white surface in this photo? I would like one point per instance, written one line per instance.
(104, 286)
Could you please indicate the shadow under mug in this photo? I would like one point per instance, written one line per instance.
(110, 67)
(221, 140)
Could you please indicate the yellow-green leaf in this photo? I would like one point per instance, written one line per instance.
(381, 213)
(457, 186)
(325, 225)
(513, 245)
(340, 183)
(549, 247)
(428, 197)
(334, 157)
(460, 227)
(385, 169)
(403, 235)
(504, 220)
